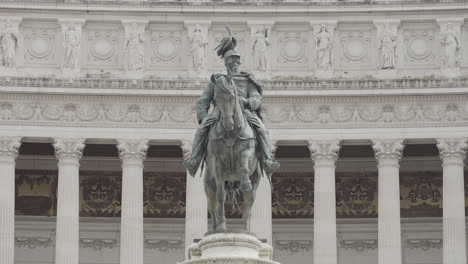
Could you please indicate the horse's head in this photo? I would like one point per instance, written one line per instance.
(226, 103)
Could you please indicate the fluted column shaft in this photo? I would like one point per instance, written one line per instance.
(388, 155)
(453, 153)
(262, 219)
(324, 154)
(196, 209)
(68, 153)
(8, 153)
(132, 154)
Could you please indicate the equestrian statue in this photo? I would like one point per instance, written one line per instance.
(231, 141)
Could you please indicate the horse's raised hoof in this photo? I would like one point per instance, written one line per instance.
(245, 186)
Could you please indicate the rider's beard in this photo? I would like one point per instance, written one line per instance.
(233, 68)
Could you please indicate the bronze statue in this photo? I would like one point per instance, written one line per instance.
(232, 140)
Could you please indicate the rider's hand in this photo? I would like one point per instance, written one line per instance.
(244, 102)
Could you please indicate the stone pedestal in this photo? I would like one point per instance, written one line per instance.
(232, 248)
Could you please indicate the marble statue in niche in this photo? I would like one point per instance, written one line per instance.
(134, 46)
(8, 45)
(451, 44)
(198, 45)
(324, 44)
(260, 48)
(387, 45)
(72, 42)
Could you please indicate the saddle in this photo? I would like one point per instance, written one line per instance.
(217, 132)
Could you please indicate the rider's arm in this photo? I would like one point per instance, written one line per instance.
(255, 98)
(204, 102)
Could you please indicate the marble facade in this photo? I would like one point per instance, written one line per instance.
(366, 103)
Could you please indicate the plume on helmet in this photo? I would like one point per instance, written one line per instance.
(227, 43)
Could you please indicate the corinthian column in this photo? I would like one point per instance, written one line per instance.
(68, 153)
(261, 221)
(453, 152)
(196, 210)
(8, 152)
(388, 155)
(324, 154)
(132, 154)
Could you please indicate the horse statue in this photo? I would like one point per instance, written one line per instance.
(230, 156)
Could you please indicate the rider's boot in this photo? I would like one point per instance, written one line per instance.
(191, 164)
(245, 184)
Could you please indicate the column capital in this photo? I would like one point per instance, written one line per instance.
(388, 148)
(9, 146)
(69, 148)
(324, 149)
(186, 147)
(132, 149)
(452, 147)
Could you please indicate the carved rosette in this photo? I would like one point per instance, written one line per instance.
(324, 151)
(133, 151)
(9, 147)
(388, 152)
(452, 150)
(69, 150)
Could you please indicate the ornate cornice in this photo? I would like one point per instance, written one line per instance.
(69, 148)
(452, 148)
(9, 146)
(388, 149)
(324, 150)
(188, 84)
(130, 149)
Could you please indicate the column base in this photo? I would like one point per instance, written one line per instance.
(232, 248)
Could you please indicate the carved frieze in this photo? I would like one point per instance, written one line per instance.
(294, 246)
(34, 242)
(359, 245)
(164, 245)
(421, 194)
(98, 244)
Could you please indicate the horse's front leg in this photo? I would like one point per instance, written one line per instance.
(221, 198)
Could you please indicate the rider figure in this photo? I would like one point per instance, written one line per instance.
(250, 99)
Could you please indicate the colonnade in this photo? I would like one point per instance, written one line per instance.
(324, 154)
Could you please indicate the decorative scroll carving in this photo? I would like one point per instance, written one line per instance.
(98, 244)
(164, 245)
(34, 242)
(294, 246)
(359, 245)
